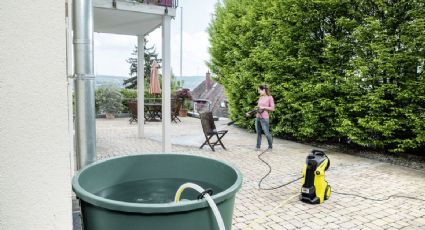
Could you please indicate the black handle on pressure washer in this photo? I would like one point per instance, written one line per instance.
(323, 154)
(318, 152)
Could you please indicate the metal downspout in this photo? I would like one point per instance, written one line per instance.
(85, 123)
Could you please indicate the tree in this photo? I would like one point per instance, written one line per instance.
(150, 54)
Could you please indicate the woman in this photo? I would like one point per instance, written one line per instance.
(265, 105)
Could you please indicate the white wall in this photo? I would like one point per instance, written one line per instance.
(35, 190)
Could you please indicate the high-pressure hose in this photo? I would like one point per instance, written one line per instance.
(206, 196)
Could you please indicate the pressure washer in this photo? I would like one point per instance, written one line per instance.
(315, 189)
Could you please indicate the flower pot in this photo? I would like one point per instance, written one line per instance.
(110, 116)
(183, 113)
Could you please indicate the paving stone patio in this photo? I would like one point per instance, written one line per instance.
(347, 174)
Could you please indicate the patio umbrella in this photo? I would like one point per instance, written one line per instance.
(154, 87)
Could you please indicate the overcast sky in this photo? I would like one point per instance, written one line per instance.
(111, 51)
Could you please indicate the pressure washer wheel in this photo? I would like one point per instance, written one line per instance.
(327, 192)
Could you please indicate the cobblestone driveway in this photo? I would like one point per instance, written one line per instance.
(347, 174)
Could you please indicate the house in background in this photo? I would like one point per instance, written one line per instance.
(210, 95)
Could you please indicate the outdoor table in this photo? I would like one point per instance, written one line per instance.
(153, 111)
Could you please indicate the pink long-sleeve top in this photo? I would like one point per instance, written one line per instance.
(266, 103)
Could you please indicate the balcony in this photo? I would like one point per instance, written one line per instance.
(131, 17)
(167, 3)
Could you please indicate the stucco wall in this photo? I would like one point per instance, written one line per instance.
(35, 191)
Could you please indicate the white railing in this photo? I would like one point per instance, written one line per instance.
(166, 3)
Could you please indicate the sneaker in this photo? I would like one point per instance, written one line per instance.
(257, 149)
(269, 149)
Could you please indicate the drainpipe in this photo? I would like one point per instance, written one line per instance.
(85, 123)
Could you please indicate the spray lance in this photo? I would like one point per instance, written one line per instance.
(249, 114)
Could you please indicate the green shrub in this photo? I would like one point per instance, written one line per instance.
(128, 95)
(338, 70)
(108, 100)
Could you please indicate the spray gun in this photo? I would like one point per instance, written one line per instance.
(249, 114)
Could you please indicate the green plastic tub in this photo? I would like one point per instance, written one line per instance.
(137, 192)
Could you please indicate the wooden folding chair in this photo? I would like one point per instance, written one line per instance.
(175, 109)
(210, 131)
(132, 107)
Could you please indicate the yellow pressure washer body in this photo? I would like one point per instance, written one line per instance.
(315, 189)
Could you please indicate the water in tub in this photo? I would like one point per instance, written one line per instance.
(153, 191)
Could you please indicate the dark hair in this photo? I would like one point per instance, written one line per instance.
(264, 87)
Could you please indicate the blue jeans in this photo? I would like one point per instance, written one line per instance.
(262, 125)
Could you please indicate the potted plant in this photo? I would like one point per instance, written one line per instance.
(183, 94)
(109, 100)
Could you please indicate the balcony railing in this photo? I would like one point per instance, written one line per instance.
(166, 3)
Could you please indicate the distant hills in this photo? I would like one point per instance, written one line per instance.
(189, 82)
(109, 81)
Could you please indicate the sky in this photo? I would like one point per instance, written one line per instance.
(111, 51)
